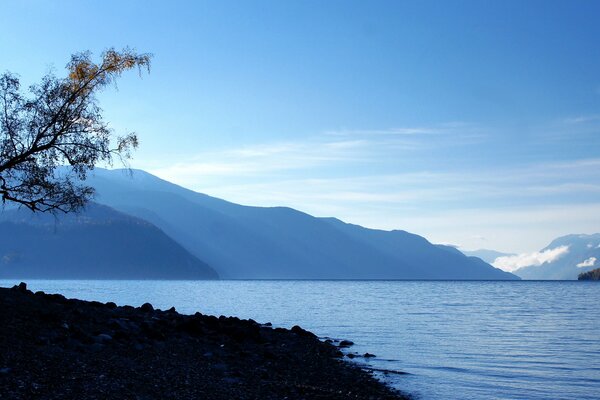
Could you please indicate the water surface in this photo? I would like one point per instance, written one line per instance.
(457, 340)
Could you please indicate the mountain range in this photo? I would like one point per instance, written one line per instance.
(577, 253)
(198, 234)
(98, 243)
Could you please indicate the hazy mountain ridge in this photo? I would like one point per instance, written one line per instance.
(99, 243)
(489, 256)
(279, 242)
(582, 255)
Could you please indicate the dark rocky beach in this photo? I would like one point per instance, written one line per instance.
(57, 348)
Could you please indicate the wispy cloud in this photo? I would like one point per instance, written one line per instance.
(590, 262)
(457, 132)
(334, 148)
(513, 263)
(442, 128)
(581, 119)
(387, 132)
(580, 127)
(266, 158)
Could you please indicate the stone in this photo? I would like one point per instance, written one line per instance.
(96, 347)
(302, 332)
(103, 338)
(21, 287)
(147, 307)
(192, 326)
(58, 298)
(118, 324)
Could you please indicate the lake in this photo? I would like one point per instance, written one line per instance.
(455, 339)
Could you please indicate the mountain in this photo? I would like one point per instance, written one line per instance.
(581, 254)
(99, 243)
(489, 256)
(245, 242)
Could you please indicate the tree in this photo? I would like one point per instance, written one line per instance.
(593, 275)
(60, 124)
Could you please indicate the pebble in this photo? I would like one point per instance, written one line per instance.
(103, 338)
(96, 347)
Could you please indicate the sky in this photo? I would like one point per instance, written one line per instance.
(472, 123)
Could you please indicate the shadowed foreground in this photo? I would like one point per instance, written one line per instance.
(57, 348)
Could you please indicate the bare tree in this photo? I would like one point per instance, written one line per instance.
(60, 124)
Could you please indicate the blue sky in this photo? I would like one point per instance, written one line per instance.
(474, 123)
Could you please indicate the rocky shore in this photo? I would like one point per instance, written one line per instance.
(57, 348)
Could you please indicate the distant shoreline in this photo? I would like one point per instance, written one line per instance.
(286, 280)
(53, 347)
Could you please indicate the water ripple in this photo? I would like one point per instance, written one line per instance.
(457, 340)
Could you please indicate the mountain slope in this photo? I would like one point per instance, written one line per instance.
(583, 255)
(99, 243)
(279, 242)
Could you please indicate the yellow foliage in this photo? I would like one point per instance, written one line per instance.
(85, 74)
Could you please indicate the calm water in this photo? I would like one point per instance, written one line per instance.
(457, 340)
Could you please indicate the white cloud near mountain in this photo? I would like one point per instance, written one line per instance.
(513, 263)
(590, 262)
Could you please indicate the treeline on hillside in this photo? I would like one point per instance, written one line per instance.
(593, 275)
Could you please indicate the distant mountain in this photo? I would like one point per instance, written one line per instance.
(279, 242)
(582, 254)
(99, 243)
(489, 256)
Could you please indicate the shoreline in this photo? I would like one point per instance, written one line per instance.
(58, 348)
